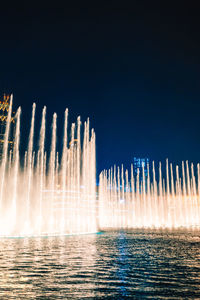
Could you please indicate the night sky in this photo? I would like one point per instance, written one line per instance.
(133, 70)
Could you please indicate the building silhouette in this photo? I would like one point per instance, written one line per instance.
(138, 165)
(4, 108)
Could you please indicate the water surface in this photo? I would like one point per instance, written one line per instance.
(112, 265)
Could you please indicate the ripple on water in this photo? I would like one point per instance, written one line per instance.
(116, 265)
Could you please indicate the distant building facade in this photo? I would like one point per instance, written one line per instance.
(138, 165)
(4, 108)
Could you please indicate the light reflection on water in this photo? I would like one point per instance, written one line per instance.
(115, 265)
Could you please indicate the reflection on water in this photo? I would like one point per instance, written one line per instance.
(115, 265)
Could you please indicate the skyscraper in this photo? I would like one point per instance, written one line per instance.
(139, 164)
(4, 108)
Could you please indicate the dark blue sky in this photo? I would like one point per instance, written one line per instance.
(134, 70)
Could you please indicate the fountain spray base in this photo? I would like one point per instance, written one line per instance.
(46, 235)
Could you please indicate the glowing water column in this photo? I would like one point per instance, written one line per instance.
(48, 194)
(145, 202)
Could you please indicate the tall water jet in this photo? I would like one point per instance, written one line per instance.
(41, 200)
(148, 203)
(15, 169)
(63, 170)
(29, 167)
(42, 167)
(52, 169)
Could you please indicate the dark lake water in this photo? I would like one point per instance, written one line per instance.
(114, 265)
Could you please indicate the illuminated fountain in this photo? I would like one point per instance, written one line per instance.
(48, 196)
(54, 194)
(143, 202)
